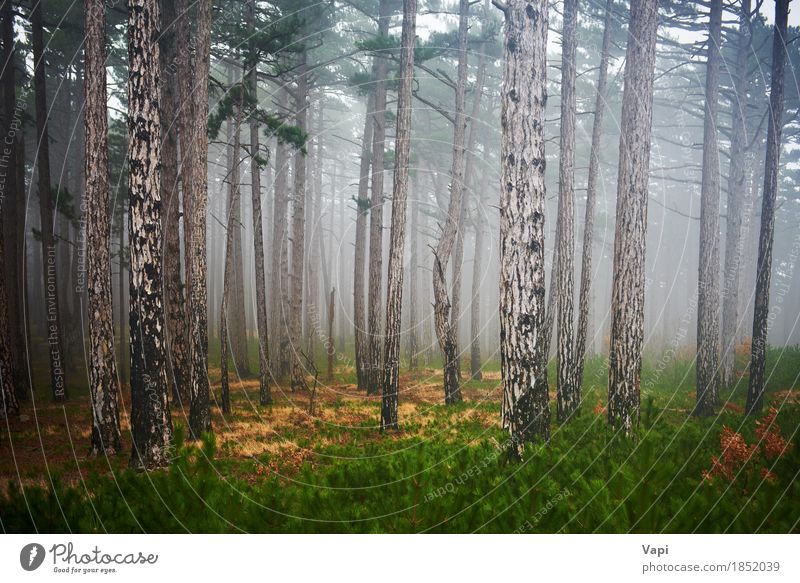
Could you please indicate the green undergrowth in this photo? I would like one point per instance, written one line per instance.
(448, 471)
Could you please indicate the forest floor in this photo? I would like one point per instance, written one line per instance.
(315, 461)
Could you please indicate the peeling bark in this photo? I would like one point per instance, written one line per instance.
(103, 385)
(525, 410)
(151, 424)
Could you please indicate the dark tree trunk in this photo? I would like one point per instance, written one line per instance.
(591, 197)
(755, 389)
(737, 189)
(175, 303)
(200, 413)
(525, 411)
(256, 163)
(374, 294)
(567, 394)
(627, 300)
(103, 384)
(362, 210)
(50, 272)
(151, 425)
(444, 329)
(708, 271)
(394, 295)
(13, 205)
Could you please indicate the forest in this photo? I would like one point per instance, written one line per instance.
(399, 266)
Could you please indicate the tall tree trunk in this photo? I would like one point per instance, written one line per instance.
(525, 411)
(298, 231)
(444, 330)
(708, 271)
(151, 425)
(175, 303)
(627, 303)
(567, 394)
(279, 291)
(256, 163)
(200, 413)
(313, 308)
(394, 295)
(475, 304)
(374, 294)
(585, 298)
(49, 268)
(103, 384)
(737, 189)
(13, 206)
(9, 405)
(124, 357)
(755, 389)
(362, 210)
(330, 347)
(235, 314)
(228, 313)
(413, 270)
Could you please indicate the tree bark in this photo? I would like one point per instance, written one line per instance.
(444, 329)
(173, 284)
(200, 413)
(49, 268)
(628, 285)
(394, 293)
(14, 206)
(256, 163)
(103, 384)
(413, 269)
(525, 410)
(298, 231)
(362, 210)
(567, 394)
(279, 291)
(585, 298)
(737, 189)
(374, 291)
(708, 271)
(755, 388)
(151, 425)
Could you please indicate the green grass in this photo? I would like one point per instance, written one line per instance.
(448, 473)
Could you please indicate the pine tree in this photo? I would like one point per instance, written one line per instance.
(755, 388)
(394, 294)
(151, 424)
(49, 267)
(627, 300)
(103, 384)
(708, 271)
(525, 413)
